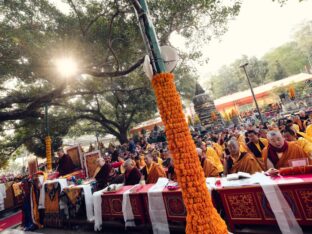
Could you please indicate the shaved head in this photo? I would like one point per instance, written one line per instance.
(276, 139)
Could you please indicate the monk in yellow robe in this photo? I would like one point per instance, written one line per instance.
(218, 148)
(291, 136)
(279, 152)
(210, 170)
(212, 155)
(241, 161)
(241, 140)
(156, 157)
(152, 171)
(256, 145)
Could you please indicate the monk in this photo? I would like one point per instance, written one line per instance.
(241, 161)
(214, 157)
(279, 152)
(105, 174)
(256, 145)
(132, 175)
(156, 157)
(210, 170)
(152, 171)
(291, 136)
(241, 140)
(65, 165)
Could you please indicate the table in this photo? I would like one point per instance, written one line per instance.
(13, 195)
(112, 205)
(248, 204)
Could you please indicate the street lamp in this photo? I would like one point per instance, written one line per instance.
(252, 92)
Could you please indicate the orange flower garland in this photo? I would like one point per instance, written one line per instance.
(202, 217)
(48, 153)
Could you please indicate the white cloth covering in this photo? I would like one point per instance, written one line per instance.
(283, 214)
(2, 196)
(63, 184)
(97, 202)
(157, 209)
(127, 208)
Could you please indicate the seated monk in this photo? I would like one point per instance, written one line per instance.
(214, 157)
(210, 170)
(152, 171)
(65, 164)
(156, 157)
(106, 174)
(291, 136)
(132, 175)
(279, 152)
(256, 145)
(241, 161)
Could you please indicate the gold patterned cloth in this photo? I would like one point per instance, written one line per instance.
(73, 194)
(17, 189)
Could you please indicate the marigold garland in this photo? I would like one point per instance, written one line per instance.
(48, 153)
(202, 217)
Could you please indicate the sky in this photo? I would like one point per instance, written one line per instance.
(260, 26)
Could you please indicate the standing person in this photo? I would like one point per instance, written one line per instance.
(152, 171)
(132, 175)
(65, 164)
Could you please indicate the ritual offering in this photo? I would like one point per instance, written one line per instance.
(172, 186)
(113, 188)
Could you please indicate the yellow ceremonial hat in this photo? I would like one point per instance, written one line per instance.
(309, 130)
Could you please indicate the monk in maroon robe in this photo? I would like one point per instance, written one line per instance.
(132, 175)
(65, 165)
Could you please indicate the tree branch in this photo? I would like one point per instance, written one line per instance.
(116, 73)
(71, 3)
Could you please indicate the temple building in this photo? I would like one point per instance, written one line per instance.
(204, 107)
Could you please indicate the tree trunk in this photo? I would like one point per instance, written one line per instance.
(123, 136)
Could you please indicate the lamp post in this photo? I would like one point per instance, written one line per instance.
(252, 92)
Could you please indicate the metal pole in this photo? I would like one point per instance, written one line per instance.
(252, 92)
(47, 130)
(149, 36)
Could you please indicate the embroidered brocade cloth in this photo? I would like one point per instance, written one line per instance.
(52, 210)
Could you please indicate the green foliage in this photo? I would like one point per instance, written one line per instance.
(105, 40)
(288, 59)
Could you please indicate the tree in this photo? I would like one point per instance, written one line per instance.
(285, 60)
(105, 39)
(231, 78)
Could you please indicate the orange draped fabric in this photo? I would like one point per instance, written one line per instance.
(154, 173)
(210, 170)
(214, 158)
(293, 152)
(247, 163)
(202, 217)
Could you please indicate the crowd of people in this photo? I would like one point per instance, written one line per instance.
(246, 148)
